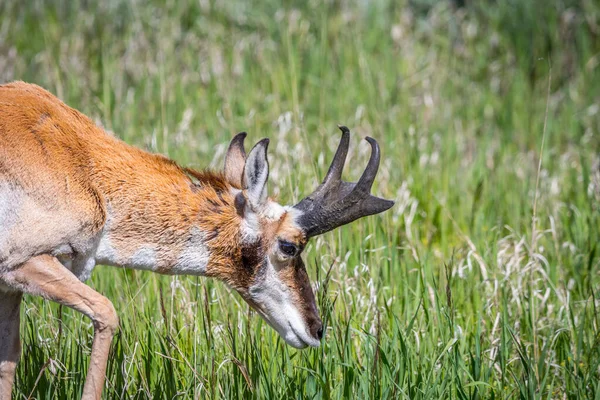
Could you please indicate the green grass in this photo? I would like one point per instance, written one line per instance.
(454, 293)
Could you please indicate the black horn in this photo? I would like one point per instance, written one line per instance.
(335, 203)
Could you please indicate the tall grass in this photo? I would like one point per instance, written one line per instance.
(454, 293)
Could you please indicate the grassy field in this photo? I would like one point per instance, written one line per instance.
(482, 282)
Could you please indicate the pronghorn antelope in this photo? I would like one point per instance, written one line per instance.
(72, 196)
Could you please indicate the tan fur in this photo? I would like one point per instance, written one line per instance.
(73, 169)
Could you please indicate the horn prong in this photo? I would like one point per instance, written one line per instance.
(339, 159)
(368, 177)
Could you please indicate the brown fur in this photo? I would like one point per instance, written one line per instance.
(79, 169)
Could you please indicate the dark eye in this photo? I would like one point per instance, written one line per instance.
(287, 248)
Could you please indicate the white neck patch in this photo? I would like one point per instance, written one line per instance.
(194, 257)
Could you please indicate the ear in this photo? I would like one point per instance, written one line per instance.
(235, 160)
(256, 173)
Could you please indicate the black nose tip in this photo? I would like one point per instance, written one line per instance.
(316, 328)
(320, 332)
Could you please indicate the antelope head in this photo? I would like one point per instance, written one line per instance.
(273, 236)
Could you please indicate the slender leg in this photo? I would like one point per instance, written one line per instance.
(45, 276)
(10, 345)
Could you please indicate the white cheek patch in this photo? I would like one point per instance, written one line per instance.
(278, 309)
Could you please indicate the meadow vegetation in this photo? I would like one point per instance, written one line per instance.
(483, 282)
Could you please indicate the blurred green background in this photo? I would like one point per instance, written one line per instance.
(482, 282)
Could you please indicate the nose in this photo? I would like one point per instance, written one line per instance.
(316, 329)
(320, 332)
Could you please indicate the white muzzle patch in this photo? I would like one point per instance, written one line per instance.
(276, 307)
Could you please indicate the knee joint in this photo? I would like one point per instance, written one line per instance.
(106, 318)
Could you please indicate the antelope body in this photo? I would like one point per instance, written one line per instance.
(72, 196)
